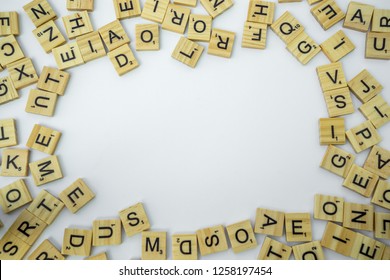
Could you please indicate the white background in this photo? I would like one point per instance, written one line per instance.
(199, 147)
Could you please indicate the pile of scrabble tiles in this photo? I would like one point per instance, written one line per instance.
(343, 217)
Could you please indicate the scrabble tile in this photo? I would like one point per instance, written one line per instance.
(339, 102)
(77, 242)
(14, 196)
(303, 48)
(46, 170)
(327, 13)
(187, 52)
(43, 139)
(378, 162)
(338, 239)
(99, 257)
(361, 180)
(221, 43)
(365, 86)
(381, 20)
(381, 195)
(337, 161)
(216, 7)
(176, 18)
(8, 136)
(269, 222)
(212, 240)
(46, 207)
(287, 27)
(12, 248)
(337, 46)
(308, 251)
(273, 250)
(255, 35)
(332, 131)
(298, 227)
(53, 80)
(154, 245)
(191, 3)
(41, 102)
(184, 247)
(91, 46)
(199, 27)
(46, 251)
(366, 248)
(15, 163)
(40, 12)
(363, 136)
(358, 16)
(261, 12)
(80, 5)
(76, 196)
(288, 1)
(382, 225)
(386, 253)
(377, 111)
(10, 50)
(49, 36)
(378, 45)
(154, 10)
(147, 37)
(107, 232)
(134, 219)
(358, 216)
(9, 23)
(27, 227)
(8, 92)
(123, 60)
(77, 24)
(312, 2)
(114, 35)
(331, 76)
(329, 208)
(68, 56)
(241, 236)
(127, 8)
(22, 73)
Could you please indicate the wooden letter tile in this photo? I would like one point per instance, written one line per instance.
(91, 46)
(329, 208)
(199, 27)
(80, 5)
(184, 247)
(191, 3)
(8, 93)
(337, 46)
(386, 253)
(212, 240)
(15, 163)
(187, 52)
(365, 86)
(49, 36)
(147, 37)
(241, 236)
(22, 73)
(255, 35)
(77, 24)
(273, 250)
(134, 219)
(154, 10)
(261, 12)
(40, 12)
(332, 131)
(68, 56)
(123, 59)
(366, 248)
(114, 35)
(363, 136)
(46, 170)
(361, 180)
(358, 216)
(381, 195)
(43, 139)
(77, 242)
(287, 27)
(176, 18)
(9, 23)
(41, 102)
(221, 43)
(107, 232)
(358, 16)
(298, 227)
(377, 111)
(327, 13)
(339, 102)
(331, 76)
(76, 196)
(14, 196)
(303, 48)
(46, 251)
(381, 20)
(337, 161)
(154, 245)
(53, 80)
(378, 45)
(46, 207)
(12, 248)
(269, 222)
(216, 7)
(338, 239)
(127, 8)
(308, 251)
(378, 162)
(8, 136)
(10, 50)
(382, 225)
(99, 257)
